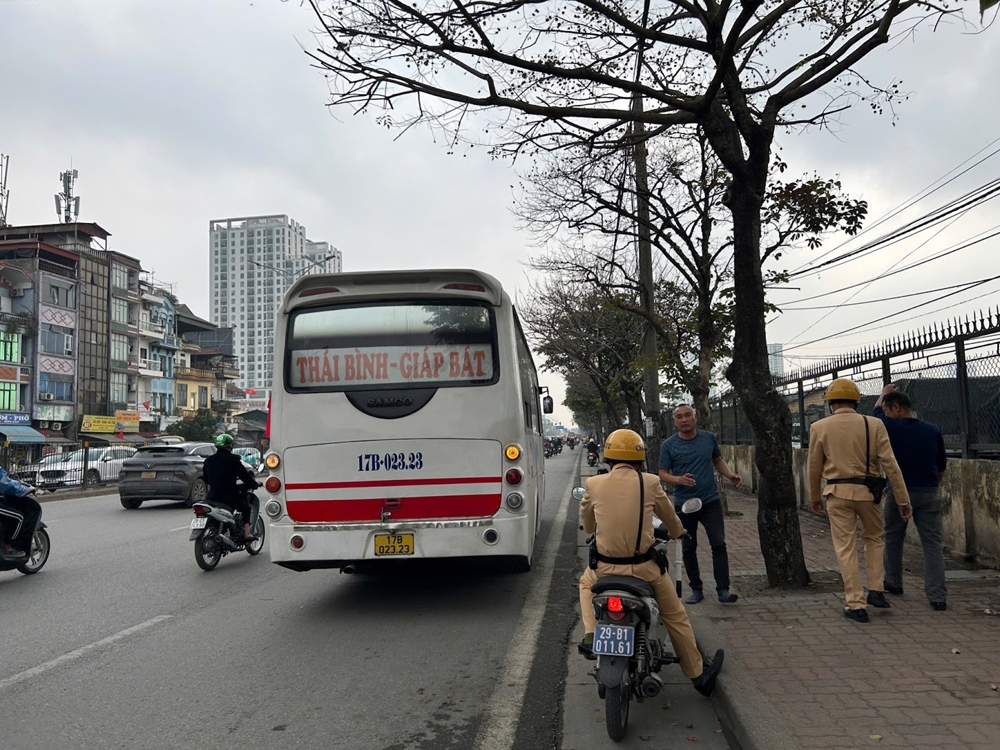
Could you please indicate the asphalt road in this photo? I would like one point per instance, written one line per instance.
(123, 642)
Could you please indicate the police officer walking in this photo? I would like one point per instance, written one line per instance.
(611, 508)
(847, 449)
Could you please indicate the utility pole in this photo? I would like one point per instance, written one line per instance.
(651, 370)
(4, 193)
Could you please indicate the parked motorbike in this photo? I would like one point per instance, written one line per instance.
(36, 557)
(630, 639)
(217, 530)
(591, 458)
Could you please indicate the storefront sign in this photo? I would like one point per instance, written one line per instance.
(8, 417)
(126, 421)
(97, 423)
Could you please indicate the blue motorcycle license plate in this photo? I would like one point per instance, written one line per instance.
(614, 640)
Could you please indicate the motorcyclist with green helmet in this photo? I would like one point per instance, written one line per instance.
(221, 472)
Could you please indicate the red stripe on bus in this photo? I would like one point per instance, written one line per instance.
(388, 483)
(410, 508)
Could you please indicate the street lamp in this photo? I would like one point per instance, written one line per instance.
(290, 275)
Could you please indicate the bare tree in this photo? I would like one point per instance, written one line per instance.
(566, 71)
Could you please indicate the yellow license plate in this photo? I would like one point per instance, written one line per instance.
(149, 475)
(393, 544)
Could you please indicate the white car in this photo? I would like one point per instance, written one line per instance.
(67, 469)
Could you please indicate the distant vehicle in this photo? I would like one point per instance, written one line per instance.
(67, 469)
(249, 454)
(166, 472)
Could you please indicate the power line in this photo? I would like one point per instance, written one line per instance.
(893, 315)
(884, 299)
(911, 201)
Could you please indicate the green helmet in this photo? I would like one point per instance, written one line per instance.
(225, 441)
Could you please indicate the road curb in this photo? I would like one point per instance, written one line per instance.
(51, 497)
(743, 708)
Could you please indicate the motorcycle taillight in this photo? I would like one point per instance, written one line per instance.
(200, 510)
(615, 604)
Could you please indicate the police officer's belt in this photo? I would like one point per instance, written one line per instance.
(849, 480)
(646, 556)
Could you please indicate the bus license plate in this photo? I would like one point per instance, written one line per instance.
(614, 640)
(387, 545)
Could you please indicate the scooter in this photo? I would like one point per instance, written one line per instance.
(591, 458)
(36, 557)
(630, 640)
(217, 530)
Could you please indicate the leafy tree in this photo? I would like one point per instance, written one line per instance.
(202, 427)
(558, 72)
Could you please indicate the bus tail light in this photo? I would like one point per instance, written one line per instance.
(512, 452)
(318, 290)
(273, 508)
(272, 461)
(272, 485)
(466, 287)
(297, 542)
(515, 501)
(514, 476)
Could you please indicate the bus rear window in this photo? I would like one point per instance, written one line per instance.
(400, 345)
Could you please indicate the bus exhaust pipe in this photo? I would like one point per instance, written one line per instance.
(348, 569)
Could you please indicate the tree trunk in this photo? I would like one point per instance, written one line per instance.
(777, 514)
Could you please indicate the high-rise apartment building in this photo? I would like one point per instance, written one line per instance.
(776, 358)
(254, 260)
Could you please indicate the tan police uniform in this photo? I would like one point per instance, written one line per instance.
(837, 451)
(611, 508)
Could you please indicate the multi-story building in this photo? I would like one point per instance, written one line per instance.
(253, 262)
(124, 298)
(158, 345)
(38, 341)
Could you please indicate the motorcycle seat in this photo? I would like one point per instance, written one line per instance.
(628, 584)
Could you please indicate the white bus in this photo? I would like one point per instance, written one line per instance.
(405, 422)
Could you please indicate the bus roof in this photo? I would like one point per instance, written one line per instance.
(460, 282)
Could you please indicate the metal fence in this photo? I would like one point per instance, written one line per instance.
(68, 465)
(951, 372)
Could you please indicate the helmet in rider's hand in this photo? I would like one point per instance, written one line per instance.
(225, 441)
(625, 445)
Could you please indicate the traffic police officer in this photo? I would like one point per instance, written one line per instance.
(846, 449)
(609, 508)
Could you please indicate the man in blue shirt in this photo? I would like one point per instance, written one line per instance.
(919, 449)
(687, 462)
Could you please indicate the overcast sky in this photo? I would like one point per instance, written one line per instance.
(179, 112)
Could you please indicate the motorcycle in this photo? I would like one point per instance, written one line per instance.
(217, 530)
(630, 639)
(36, 557)
(591, 458)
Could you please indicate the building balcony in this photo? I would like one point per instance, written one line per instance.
(151, 367)
(170, 342)
(132, 294)
(227, 372)
(151, 330)
(131, 365)
(193, 373)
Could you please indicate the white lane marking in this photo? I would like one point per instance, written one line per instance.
(181, 528)
(80, 652)
(504, 708)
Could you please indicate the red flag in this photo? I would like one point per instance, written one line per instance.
(251, 392)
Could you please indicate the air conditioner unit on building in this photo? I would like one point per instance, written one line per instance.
(46, 396)
(43, 424)
(16, 292)
(57, 425)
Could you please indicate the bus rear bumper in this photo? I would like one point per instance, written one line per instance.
(343, 545)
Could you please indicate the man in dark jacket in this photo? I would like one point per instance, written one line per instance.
(221, 471)
(919, 449)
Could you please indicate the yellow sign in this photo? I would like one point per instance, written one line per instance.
(122, 421)
(96, 423)
(126, 421)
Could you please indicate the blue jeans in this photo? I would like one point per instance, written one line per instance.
(927, 517)
(710, 516)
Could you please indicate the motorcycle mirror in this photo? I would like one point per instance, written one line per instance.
(578, 494)
(691, 506)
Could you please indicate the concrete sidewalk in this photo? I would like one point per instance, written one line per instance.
(799, 674)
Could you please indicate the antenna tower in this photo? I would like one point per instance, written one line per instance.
(68, 206)
(4, 193)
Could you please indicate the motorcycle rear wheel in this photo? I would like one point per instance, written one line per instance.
(257, 544)
(207, 560)
(616, 702)
(38, 555)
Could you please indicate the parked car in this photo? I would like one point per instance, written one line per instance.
(166, 472)
(102, 466)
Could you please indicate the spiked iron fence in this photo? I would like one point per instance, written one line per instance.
(951, 371)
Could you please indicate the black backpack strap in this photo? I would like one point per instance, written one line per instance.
(868, 447)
